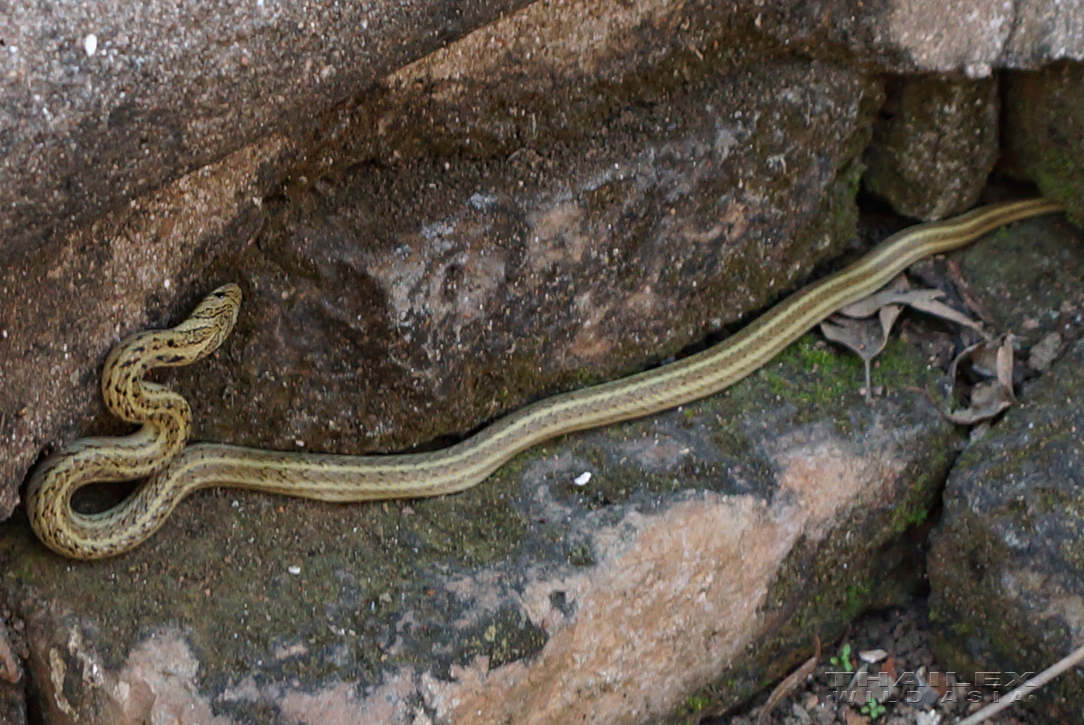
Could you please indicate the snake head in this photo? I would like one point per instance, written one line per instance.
(213, 319)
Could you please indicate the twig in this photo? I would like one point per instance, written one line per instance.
(1032, 684)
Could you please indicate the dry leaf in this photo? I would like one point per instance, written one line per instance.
(989, 397)
(1004, 364)
(866, 306)
(982, 358)
(899, 292)
(923, 300)
(864, 337)
(930, 305)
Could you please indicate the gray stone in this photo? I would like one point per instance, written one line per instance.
(1005, 565)
(165, 87)
(1044, 352)
(390, 307)
(738, 524)
(962, 37)
(102, 103)
(934, 146)
(1044, 125)
(1028, 282)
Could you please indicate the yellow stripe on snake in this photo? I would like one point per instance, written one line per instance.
(157, 450)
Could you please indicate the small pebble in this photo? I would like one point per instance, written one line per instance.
(1044, 352)
(873, 656)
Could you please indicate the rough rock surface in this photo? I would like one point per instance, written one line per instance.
(934, 146)
(107, 101)
(1044, 131)
(470, 295)
(1006, 559)
(14, 683)
(56, 320)
(149, 253)
(745, 522)
(574, 191)
(726, 524)
(387, 307)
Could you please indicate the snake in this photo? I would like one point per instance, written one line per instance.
(159, 451)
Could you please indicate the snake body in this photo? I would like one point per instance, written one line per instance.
(157, 450)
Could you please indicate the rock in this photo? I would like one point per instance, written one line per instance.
(1028, 282)
(13, 682)
(476, 291)
(452, 113)
(740, 524)
(1044, 352)
(387, 308)
(934, 146)
(1004, 578)
(1044, 123)
(105, 102)
(1003, 573)
(12, 704)
(57, 324)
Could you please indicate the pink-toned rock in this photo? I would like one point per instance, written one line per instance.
(615, 600)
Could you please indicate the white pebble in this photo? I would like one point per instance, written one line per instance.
(582, 479)
(90, 44)
(872, 656)
(295, 570)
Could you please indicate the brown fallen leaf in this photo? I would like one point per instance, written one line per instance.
(899, 293)
(927, 301)
(868, 339)
(866, 306)
(865, 338)
(989, 397)
(985, 358)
